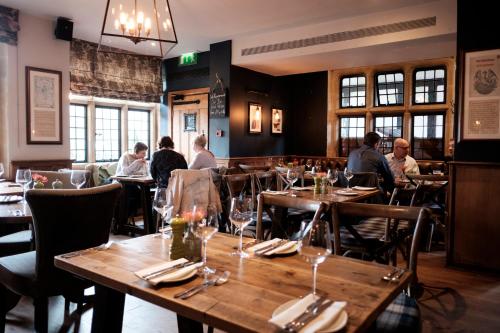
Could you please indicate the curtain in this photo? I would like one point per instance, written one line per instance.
(114, 75)
(9, 25)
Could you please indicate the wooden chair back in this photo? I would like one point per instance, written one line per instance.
(282, 183)
(246, 168)
(264, 180)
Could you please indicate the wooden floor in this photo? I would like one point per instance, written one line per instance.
(453, 301)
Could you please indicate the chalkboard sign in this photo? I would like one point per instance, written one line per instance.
(218, 101)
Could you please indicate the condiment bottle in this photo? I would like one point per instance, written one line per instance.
(178, 225)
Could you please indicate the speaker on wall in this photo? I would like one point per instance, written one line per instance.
(64, 29)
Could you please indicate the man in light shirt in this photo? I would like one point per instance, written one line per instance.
(399, 161)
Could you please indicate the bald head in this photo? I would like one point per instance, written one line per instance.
(401, 148)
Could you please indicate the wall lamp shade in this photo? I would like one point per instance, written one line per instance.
(138, 26)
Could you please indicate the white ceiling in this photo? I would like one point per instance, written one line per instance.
(199, 23)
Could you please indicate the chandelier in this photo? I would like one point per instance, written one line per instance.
(147, 24)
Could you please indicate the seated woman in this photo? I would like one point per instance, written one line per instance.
(164, 161)
(133, 164)
(203, 158)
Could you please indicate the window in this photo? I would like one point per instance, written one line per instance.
(429, 86)
(389, 89)
(138, 129)
(428, 137)
(107, 134)
(352, 132)
(78, 132)
(353, 92)
(389, 128)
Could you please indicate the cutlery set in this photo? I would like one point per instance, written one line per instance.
(167, 270)
(312, 311)
(394, 275)
(214, 281)
(266, 249)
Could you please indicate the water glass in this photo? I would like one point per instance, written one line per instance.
(23, 178)
(160, 206)
(240, 216)
(332, 177)
(315, 245)
(78, 178)
(292, 175)
(348, 175)
(204, 229)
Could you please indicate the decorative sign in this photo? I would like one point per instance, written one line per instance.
(277, 121)
(218, 101)
(188, 59)
(254, 118)
(190, 122)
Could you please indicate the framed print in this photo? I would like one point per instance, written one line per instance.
(481, 96)
(43, 106)
(276, 121)
(254, 118)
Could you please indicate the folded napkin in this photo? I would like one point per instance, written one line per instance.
(276, 192)
(175, 274)
(10, 198)
(364, 188)
(263, 244)
(326, 318)
(305, 188)
(282, 248)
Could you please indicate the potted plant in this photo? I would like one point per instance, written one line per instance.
(39, 181)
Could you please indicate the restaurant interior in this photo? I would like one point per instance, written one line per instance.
(249, 166)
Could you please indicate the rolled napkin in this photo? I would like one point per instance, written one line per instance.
(324, 319)
(276, 192)
(364, 188)
(305, 188)
(282, 248)
(173, 275)
(263, 245)
(10, 198)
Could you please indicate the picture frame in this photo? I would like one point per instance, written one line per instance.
(481, 95)
(43, 106)
(276, 121)
(254, 118)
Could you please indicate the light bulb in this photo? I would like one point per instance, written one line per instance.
(140, 18)
(147, 25)
(277, 116)
(123, 18)
(257, 114)
(117, 24)
(165, 27)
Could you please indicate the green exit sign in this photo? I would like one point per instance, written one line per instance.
(187, 59)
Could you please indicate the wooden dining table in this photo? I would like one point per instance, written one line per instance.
(10, 188)
(15, 213)
(256, 287)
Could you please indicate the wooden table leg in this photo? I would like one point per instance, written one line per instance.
(147, 210)
(188, 325)
(108, 310)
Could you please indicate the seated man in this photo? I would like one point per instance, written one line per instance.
(399, 160)
(133, 164)
(367, 158)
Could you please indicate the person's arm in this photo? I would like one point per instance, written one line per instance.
(152, 168)
(386, 173)
(195, 163)
(413, 168)
(133, 167)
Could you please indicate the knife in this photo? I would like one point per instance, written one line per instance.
(310, 308)
(154, 274)
(309, 317)
(269, 247)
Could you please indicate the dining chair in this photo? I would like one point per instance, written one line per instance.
(283, 183)
(246, 168)
(64, 221)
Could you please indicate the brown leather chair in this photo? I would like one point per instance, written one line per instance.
(64, 221)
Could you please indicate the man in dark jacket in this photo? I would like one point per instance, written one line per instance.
(164, 161)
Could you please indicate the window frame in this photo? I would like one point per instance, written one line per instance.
(86, 131)
(389, 114)
(341, 87)
(433, 113)
(148, 112)
(376, 96)
(414, 83)
(103, 106)
(340, 133)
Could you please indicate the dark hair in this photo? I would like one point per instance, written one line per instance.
(139, 146)
(166, 142)
(371, 139)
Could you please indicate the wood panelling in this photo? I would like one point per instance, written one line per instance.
(474, 213)
(48, 165)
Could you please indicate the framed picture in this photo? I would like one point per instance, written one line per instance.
(43, 106)
(277, 121)
(254, 118)
(481, 96)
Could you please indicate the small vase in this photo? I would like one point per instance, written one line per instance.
(38, 185)
(57, 184)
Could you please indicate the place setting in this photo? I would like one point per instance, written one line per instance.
(276, 246)
(8, 199)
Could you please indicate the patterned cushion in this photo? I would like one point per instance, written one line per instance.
(402, 315)
(372, 228)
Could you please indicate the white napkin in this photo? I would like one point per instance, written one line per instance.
(327, 317)
(282, 248)
(305, 188)
(276, 192)
(262, 245)
(10, 198)
(170, 276)
(364, 188)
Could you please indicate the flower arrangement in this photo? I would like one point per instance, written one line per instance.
(39, 181)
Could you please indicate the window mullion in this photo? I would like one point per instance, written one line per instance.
(91, 131)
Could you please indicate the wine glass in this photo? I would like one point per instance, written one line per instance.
(292, 175)
(332, 177)
(160, 205)
(205, 228)
(318, 166)
(348, 175)
(23, 177)
(78, 178)
(315, 244)
(240, 216)
(2, 170)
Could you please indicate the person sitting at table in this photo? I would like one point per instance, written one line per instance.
(367, 158)
(204, 157)
(133, 164)
(165, 160)
(399, 160)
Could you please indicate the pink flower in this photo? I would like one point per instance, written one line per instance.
(39, 178)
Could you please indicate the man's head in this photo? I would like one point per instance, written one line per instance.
(140, 149)
(166, 142)
(372, 139)
(401, 148)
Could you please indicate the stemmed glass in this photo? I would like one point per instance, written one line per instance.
(2, 170)
(205, 228)
(292, 176)
(315, 244)
(332, 177)
(23, 177)
(160, 205)
(348, 175)
(78, 178)
(240, 216)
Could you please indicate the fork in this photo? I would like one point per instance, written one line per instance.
(290, 326)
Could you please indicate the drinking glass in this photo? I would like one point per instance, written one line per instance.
(205, 229)
(240, 216)
(23, 178)
(160, 205)
(2, 170)
(78, 178)
(348, 175)
(332, 177)
(292, 175)
(315, 244)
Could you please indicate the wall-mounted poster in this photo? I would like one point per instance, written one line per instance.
(481, 108)
(277, 121)
(254, 118)
(43, 106)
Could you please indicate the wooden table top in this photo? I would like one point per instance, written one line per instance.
(255, 289)
(147, 180)
(10, 188)
(8, 213)
(334, 197)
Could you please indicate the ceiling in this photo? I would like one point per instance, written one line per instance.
(199, 23)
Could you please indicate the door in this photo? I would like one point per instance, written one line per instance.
(189, 119)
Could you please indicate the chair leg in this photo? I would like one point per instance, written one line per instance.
(8, 300)
(41, 314)
(429, 238)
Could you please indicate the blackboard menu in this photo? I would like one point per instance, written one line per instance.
(218, 100)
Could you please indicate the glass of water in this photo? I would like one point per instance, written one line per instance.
(240, 216)
(160, 206)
